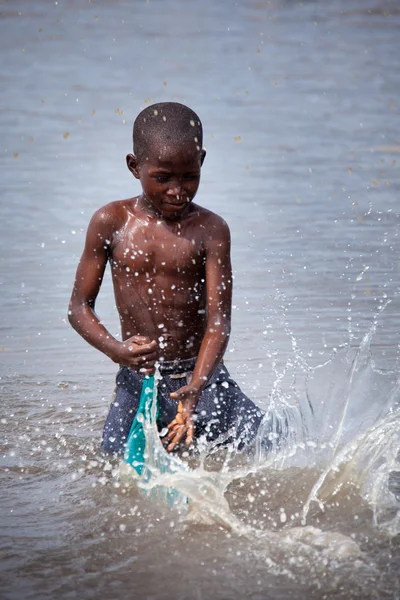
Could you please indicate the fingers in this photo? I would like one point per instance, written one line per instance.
(141, 349)
(190, 434)
(140, 363)
(142, 358)
(177, 437)
(139, 339)
(172, 427)
(177, 434)
(146, 358)
(179, 419)
(180, 427)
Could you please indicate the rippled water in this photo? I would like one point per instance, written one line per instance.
(300, 106)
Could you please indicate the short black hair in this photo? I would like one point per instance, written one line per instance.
(166, 122)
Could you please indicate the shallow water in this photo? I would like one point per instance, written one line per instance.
(299, 103)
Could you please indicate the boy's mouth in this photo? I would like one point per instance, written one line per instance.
(176, 203)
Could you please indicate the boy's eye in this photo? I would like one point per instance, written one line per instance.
(191, 177)
(162, 178)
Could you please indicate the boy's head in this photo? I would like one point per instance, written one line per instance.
(166, 124)
(168, 154)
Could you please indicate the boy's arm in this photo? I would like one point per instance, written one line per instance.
(137, 352)
(219, 304)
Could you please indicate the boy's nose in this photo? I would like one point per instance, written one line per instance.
(175, 189)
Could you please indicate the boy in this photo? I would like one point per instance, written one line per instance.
(171, 271)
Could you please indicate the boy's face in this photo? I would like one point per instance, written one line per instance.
(169, 176)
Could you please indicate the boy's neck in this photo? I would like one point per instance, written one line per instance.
(146, 207)
(143, 204)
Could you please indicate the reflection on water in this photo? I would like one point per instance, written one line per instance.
(299, 102)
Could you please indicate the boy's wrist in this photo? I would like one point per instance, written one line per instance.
(112, 349)
(198, 383)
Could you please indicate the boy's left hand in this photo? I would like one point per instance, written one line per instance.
(183, 424)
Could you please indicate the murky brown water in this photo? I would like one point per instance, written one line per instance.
(300, 105)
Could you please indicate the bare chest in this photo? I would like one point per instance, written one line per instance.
(155, 249)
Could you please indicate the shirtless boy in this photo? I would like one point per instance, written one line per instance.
(171, 272)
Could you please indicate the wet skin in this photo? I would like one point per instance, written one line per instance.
(171, 271)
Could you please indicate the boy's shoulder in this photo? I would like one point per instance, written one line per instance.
(209, 219)
(112, 216)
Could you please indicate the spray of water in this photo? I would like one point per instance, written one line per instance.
(342, 420)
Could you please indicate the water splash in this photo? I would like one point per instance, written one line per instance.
(360, 430)
(342, 419)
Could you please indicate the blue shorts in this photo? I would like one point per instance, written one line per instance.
(222, 410)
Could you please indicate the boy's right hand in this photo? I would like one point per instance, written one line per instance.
(137, 353)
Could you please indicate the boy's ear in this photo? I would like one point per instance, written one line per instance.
(132, 164)
(203, 155)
